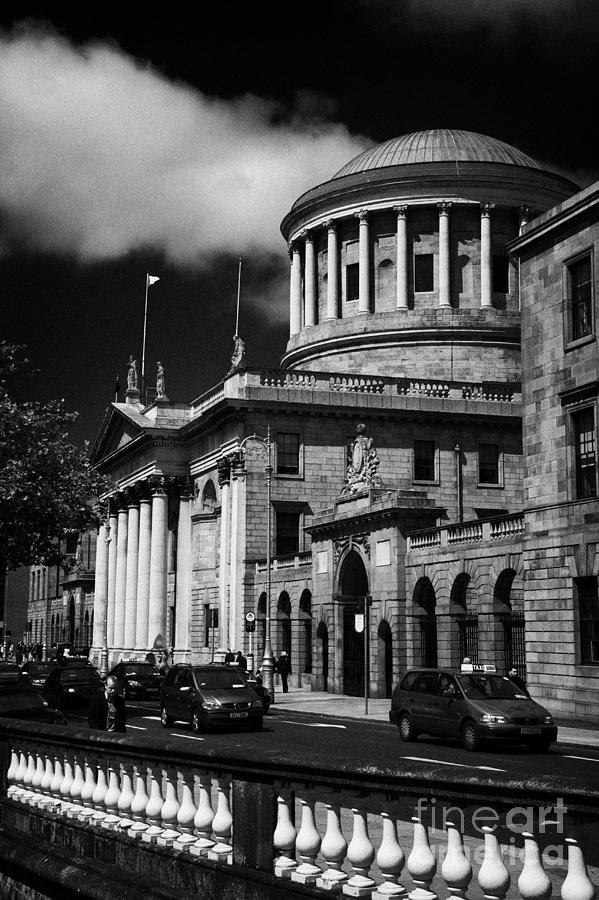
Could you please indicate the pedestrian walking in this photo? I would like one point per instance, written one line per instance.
(242, 661)
(229, 656)
(283, 667)
(107, 710)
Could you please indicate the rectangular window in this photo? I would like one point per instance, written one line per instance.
(588, 618)
(585, 453)
(423, 273)
(488, 464)
(352, 281)
(288, 453)
(580, 298)
(501, 278)
(287, 533)
(424, 460)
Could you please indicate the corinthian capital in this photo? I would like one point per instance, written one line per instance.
(362, 215)
(485, 208)
(330, 224)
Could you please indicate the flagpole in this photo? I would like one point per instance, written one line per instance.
(238, 296)
(143, 350)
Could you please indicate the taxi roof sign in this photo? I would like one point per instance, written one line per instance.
(477, 667)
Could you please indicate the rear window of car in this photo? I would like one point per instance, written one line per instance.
(76, 674)
(218, 679)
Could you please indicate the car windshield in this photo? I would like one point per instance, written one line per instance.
(41, 671)
(218, 679)
(489, 687)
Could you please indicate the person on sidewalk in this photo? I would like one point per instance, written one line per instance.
(242, 661)
(283, 667)
(107, 711)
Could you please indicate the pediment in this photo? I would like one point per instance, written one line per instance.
(120, 427)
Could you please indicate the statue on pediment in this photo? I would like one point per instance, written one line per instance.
(238, 357)
(160, 383)
(132, 380)
(362, 463)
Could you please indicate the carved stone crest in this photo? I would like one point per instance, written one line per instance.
(359, 541)
(362, 464)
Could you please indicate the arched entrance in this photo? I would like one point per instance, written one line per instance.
(305, 633)
(322, 676)
(353, 585)
(385, 660)
(71, 621)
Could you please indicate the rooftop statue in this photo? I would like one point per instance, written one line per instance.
(238, 357)
(132, 381)
(160, 383)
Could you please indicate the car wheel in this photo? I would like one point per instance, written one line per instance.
(540, 746)
(407, 732)
(196, 721)
(165, 719)
(470, 736)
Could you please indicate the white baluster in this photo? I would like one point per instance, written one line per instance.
(46, 782)
(58, 778)
(186, 815)
(75, 792)
(98, 797)
(307, 845)
(111, 800)
(153, 811)
(333, 850)
(577, 884)
(421, 863)
(29, 794)
(11, 775)
(493, 877)
(360, 853)
(221, 825)
(203, 819)
(284, 840)
(390, 860)
(19, 776)
(168, 813)
(456, 870)
(65, 787)
(534, 883)
(125, 800)
(87, 793)
(37, 779)
(138, 806)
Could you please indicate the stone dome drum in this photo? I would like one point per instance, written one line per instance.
(400, 263)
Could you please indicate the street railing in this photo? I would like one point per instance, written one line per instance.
(347, 832)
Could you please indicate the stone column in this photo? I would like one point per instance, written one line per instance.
(444, 269)
(310, 281)
(100, 586)
(183, 582)
(364, 261)
(332, 271)
(238, 518)
(486, 258)
(132, 567)
(121, 580)
(143, 573)
(224, 480)
(402, 257)
(158, 566)
(295, 308)
(112, 554)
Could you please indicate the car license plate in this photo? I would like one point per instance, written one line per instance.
(242, 715)
(530, 730)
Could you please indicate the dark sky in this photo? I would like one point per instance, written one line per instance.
(174, 143)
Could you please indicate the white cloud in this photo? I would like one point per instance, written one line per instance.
(101, 155)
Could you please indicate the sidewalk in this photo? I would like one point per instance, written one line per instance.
(321, 703)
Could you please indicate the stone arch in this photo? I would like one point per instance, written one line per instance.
(508, 622)
(385, 659)
(321, 659)
(424, 606)
(70, 629)
(464, 620)
(209, 498)
(353, 589)
(283, 631)
(305, 633)
(385, 280)
(261, 625)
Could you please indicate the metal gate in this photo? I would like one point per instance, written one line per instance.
(468, 636)
(428, 641)
(514, 646)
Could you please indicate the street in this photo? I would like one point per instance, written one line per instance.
(320, 739)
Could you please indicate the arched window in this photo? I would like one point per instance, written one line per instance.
(385, 280)
(209, 500)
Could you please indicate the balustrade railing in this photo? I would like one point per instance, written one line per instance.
(373, 835)
(474, 532)
(287, 562)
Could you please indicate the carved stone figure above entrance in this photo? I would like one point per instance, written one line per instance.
(362, 464)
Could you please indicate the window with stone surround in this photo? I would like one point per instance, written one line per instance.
(501, 273)
(287, 534)
(588, 620)
(424, 461)
(288, 453)
(352, 281)
(579, 298)
(423, 273)
(585, 453)
(489, 471)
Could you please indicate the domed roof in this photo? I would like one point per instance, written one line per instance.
(437, 146)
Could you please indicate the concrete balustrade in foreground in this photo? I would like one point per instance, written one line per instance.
(352, 835)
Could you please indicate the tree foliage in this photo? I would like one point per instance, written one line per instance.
(47, 484)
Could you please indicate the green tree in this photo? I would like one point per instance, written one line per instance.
(47, 484)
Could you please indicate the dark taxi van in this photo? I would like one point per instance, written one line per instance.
(475, 704)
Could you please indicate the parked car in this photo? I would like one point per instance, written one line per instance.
(209, 695)
(475, 704)
(10, 673)
(258, 687)
(23, 702)
(35, 673)
(71, 685)
(138, 679)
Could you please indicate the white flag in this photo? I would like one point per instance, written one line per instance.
(152, 279)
